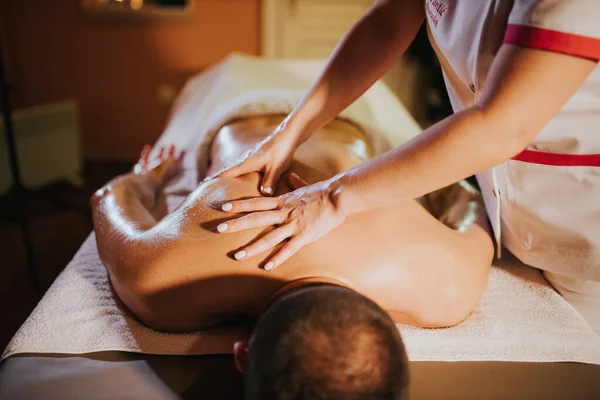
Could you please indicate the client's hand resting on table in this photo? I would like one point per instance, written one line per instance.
(302, 216)
(163, 167)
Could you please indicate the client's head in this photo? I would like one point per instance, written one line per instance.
(324, 342)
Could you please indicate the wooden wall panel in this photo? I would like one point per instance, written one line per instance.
(113, 68)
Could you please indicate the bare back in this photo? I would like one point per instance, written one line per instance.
(401, 257)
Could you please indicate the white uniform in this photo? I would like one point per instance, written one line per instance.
(544, 204)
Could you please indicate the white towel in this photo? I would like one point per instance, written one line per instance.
(520, 318)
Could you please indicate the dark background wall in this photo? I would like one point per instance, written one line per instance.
(113, 68)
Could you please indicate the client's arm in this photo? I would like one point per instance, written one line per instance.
(126, 208)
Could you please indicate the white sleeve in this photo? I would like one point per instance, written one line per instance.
(563, 26)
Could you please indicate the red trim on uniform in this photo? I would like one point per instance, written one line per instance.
(558, 42)
(560, 160)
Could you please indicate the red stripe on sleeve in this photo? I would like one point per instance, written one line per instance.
(558, 42)
(559, 160)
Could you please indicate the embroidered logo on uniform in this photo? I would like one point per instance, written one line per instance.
(435, 10)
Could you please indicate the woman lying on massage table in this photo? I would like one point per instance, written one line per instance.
(425, 262)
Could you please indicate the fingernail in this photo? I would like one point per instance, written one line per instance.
(267, 190)
(222, 227)
(269, 266)
(240, 254)
(227, 207)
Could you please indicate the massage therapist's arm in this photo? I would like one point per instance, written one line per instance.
(364, 55)
(524, 90)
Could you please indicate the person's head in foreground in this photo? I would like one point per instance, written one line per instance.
(324, 342)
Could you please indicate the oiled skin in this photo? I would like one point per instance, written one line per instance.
(178, 274)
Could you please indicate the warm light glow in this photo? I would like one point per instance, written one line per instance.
(137, 4)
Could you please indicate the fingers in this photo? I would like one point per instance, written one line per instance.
(254, 220)
(269, 182)
(232, 172)
(164, 152)
(266, 242)
(296, 182)
(144, 154)
(242, 168)
(287, 251)
(251, 205)
(143, 161)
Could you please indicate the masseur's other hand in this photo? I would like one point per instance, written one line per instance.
(300, 217)
(271, 157)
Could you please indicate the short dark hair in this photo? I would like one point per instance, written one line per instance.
(326, 342)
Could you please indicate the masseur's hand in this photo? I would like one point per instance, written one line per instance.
(302, 216)
(271, 157)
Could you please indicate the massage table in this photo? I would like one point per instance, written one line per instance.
(522, 342)
(119, 375)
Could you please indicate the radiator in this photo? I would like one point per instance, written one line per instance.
(48, 145)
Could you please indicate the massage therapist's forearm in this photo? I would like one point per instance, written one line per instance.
(363, 56)
(524, 90)
(440, 156)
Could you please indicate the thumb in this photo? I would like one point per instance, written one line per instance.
(296, 182)
(242, 168)
(269, 181)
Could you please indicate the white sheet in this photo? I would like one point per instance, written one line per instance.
(520, 318)
(207, 99)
